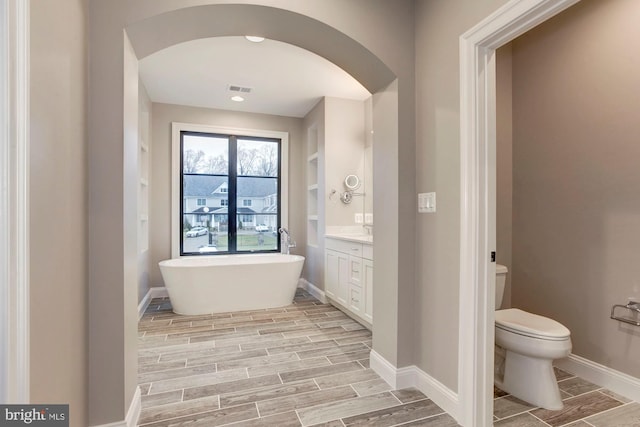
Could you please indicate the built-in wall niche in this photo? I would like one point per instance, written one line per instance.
(143, 176)
(312, 186)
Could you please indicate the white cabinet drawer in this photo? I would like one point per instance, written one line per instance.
(355, 270)
(367, 252)
(356, 301)
(350, 248)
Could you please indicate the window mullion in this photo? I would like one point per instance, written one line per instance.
(233, 194)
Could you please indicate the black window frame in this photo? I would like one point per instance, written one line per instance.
(231, 190)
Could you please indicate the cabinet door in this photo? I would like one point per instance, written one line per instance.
(343, 277)
(368, 289)
(331, 278)
(336, 277)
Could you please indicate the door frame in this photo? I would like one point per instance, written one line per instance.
(14, 201)
(478, 197)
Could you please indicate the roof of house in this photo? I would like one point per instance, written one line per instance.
(201, 185)
(205, 185)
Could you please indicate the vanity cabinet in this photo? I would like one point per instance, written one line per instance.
(349, 277)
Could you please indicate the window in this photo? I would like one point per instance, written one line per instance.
(248, 169)
(246, 218)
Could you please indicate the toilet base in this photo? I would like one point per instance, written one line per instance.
(531, 380)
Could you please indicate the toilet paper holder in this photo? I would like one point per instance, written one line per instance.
(634, 306)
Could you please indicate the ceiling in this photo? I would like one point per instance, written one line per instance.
(285, 80)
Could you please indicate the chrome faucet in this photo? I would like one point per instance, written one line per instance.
(285, 241)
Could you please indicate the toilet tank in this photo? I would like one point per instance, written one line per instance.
(501, 279)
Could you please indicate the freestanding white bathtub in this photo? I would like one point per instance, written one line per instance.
(215, 284)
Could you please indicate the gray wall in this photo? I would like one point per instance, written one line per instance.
(160, 201)
(576, 204)
(58, 203)
(439, 25)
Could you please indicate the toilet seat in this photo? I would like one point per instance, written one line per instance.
(530, 325)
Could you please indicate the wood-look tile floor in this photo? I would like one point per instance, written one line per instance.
(585, 405)
(307, 364)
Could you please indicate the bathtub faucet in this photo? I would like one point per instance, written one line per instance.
(285, 241)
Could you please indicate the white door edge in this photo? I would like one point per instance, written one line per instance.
(14, 201)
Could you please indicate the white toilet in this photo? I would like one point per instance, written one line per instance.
(526, 346)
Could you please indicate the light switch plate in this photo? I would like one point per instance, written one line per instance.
(358, 218)
(427, 202)
(368, 218)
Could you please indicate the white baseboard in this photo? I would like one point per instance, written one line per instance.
(133, 415)
(313, 290)
(616, 381)
(153, 292)
(412, 376)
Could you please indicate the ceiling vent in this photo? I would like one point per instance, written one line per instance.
(239, 89)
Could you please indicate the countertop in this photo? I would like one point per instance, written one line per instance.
(367, 239)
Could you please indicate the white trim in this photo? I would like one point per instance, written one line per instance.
(477, 193)
(384, 368)
(133, 414)
(153, 292)
(14, 202)
(412, 376)
(616, 381)
(5, 200)
(313, 290)
(177, 127)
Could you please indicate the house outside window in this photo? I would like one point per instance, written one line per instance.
(244, 174)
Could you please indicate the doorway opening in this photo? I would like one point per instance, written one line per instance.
(478, 199)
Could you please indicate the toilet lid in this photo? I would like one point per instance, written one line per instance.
(523, 323)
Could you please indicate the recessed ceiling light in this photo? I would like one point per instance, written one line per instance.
(255, 39)
(237, 98)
